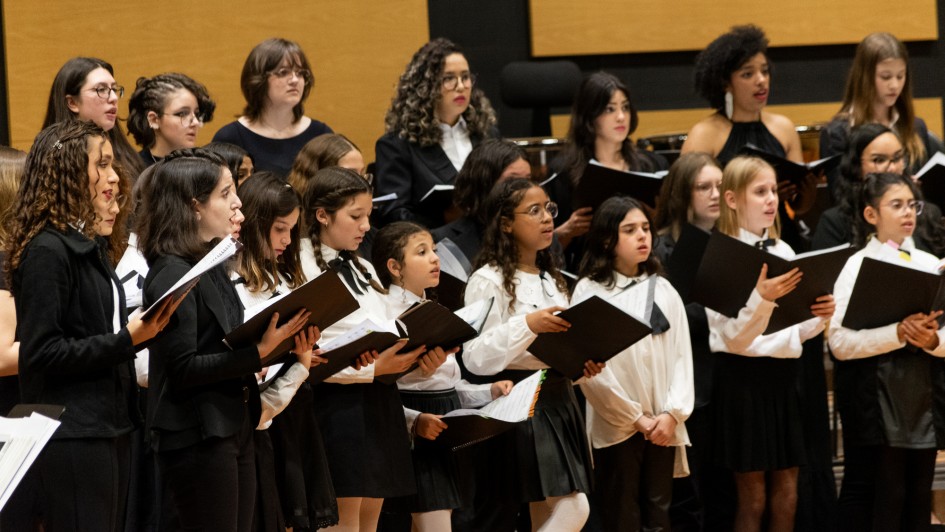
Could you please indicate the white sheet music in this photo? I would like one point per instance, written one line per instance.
(514, 407)
(23, 439)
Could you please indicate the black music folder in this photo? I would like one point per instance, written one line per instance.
(932, 179)
(450, 291)
(790, 170)
(730, 268)
(886, 293)
(599, 331)
(325, 296)
(599, 183)
(683, 263)
(438, 195)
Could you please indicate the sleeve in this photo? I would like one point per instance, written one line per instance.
(473, 395)
(611, 402)
(848, 344)
(141, 367)
(503, 338)
(185, 365)
(228, 134)
(393, 167)
(411, 416)
(43, 307)
(735, 335)
(681, 396)
(276, 397)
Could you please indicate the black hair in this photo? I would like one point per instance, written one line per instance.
(723, 56)
(480, 172)
(603, 236)
(389, 243)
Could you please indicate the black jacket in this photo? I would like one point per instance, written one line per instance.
(69, 352)
(199, 388)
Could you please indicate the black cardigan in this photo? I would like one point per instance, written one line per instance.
(69, 352)
(199, 388)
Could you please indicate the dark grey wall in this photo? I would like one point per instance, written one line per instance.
(495, 32)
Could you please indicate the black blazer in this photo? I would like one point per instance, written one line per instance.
(465, 232)
(69, 352)
(199, 388)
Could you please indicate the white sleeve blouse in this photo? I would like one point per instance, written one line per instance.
(650, 377)
(505, 337)
(849, 344)
(743, 335)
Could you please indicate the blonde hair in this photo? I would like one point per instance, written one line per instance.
(737, 176)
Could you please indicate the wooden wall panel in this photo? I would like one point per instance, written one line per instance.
(673, 121)
(590, 27)
(357, 49)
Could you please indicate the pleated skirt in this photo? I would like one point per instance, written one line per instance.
(758, 414)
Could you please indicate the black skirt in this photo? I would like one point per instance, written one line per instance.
(301, 468)
(366, 439)
(758, 415)
(434, 465)
(552, 450)
(268, 514)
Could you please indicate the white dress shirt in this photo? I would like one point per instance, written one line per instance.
(455, 142)
(743, 335)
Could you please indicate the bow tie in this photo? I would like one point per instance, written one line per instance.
(345, 267)
(763, 245)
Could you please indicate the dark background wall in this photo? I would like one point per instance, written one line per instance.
(496, 32)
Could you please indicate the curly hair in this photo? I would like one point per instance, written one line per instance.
(321, 152)
(55, 188)
(674, 208)
(171, 226)
(68, 82)
(412, 113)
(12, 164)
(499, 248)
(266, 197)
(591, 101)
(737, 177)
(389, 243)
(479, 173)
(725, 55)
(151, 94)
(598, 263)
(261, 61)
(860, 92)
(330, 189)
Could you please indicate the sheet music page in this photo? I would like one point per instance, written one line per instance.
(517, 405)
(24, 439)
(475, 314)
(365, 328)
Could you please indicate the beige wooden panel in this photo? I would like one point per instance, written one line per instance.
(672, 121)
(357, 48)
(587, 27)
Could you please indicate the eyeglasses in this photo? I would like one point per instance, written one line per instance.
(120, 199)
(535, 211)
(187, 118)
(706, 188)
(104, 92)
(884, 161)
(284, 72)
(900, 206)
(451, 82)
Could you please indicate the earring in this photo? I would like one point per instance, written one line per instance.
(729, 104)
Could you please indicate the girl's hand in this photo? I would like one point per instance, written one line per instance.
(389, 362)
(776, 287)
(304, 343)
(429, 426)
(664, 428)
(143, 330)
(500, 388)
(578, 224)
(366, 359)
(433, 359)
(592, 368)
(824, 307)
(275, 334)
(543, 321)
(644, 425)
(920, 330)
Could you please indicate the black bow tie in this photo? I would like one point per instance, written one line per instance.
(344, 265)
(763, 245)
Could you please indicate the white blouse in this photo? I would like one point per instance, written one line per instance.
(650, 377)
(743, 335)
(456, 142)
(849, 344)
(373, 305)
(505, 336)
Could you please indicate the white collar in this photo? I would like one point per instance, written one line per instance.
(407, 296)
(459, 127)
(751, 238)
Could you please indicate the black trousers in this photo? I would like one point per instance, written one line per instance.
(886, 488)
(634, 485)
(212, 484)
(76, 485)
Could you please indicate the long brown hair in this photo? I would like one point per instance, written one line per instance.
(674, 208)
(261, 61)
(499, 248)
(321, 152)
(55, 188)
(598, 263)
(860, 92)
(266, 197)
(12, 164)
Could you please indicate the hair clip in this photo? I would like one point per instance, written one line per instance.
(58, 145)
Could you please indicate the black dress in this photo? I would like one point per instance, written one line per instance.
(273, 155)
